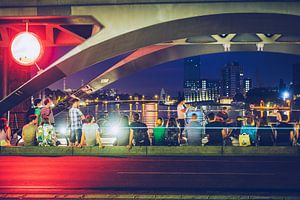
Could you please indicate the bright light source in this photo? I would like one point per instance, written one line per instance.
(285, 95)
(62, 130)
(115, 129)
(26, 48)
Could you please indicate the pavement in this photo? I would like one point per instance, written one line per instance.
(149, 177)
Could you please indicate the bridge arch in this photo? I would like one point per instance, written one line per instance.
(95, 50)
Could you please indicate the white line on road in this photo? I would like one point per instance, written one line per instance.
(196, 173)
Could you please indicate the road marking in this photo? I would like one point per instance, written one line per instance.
(196, 173)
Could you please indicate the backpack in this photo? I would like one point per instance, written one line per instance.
(141, 136)
(172, 136)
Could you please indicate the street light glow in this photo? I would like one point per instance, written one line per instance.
(26, 48)
(285, 95)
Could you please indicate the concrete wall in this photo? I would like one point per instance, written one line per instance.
(150, 151)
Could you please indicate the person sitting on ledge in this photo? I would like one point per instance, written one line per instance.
(29, 131)
(90, 133)
(159, 133)
(194, 131)
(214, 130)
(138, 133)
(5, 133)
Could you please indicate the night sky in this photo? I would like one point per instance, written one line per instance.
(265, 69)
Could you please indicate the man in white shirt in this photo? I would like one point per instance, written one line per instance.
(181, 110)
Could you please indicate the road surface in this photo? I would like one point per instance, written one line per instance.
(191, 174)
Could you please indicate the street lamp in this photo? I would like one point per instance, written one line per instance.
(26, 48)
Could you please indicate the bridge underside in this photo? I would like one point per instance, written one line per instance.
(172, 40)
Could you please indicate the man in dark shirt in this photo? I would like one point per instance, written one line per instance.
(284, 132)
(214, 130)
(223, 115)
(138, 132)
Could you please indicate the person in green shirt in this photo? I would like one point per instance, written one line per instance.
(159, 133)
(37, 110)
(29, 132)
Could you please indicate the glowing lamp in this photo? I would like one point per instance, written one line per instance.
(285, 95)
(26, 48)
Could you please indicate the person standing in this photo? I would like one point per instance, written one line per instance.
(76, 118)
(5, 133)
(47, 110)
(37, 110)
(181, 110)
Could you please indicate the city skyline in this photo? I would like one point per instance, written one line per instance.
(265, 70)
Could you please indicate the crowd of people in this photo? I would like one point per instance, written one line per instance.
(216, 130)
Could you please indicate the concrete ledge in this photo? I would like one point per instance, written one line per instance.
(110, 151)
(119, 151)
(260, 151)
(36, 151)
(184, 151)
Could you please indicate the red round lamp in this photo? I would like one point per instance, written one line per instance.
(26, 48)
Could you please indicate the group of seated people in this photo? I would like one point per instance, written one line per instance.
(215, 132)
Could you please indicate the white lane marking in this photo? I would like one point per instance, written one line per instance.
(196, 173)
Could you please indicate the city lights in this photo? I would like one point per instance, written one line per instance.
(26, 48)
(285, 95)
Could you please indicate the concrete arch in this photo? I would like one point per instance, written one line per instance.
(171, 53)
(93, 51)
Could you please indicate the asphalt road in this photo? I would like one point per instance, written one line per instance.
(149, 173)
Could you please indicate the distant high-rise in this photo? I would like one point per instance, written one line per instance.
(232, 79)
(191, 83)
(209, 90)
(247, 85)
(296, 80)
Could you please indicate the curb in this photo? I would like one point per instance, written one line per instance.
(121, 151)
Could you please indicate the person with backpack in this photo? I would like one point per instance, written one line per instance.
(138, 133)
(5, 133)
(173, 132)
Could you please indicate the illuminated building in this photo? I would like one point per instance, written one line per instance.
(296, 80)
(191, 83)
(232, 79)
(247, 85)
